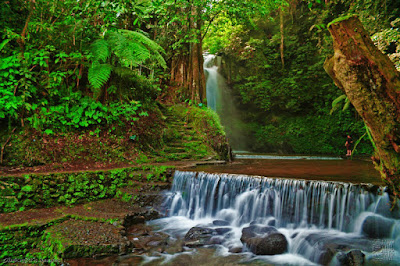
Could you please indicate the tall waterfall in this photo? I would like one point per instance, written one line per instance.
(220, 99)
(313, 215)
(212, 89)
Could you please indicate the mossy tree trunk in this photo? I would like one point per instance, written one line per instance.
(372, 84)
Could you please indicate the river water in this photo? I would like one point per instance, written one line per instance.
(322, 221)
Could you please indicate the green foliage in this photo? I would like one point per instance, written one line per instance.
(335, 103)
(44, 79)
(290, 108)
(70, 188)
(99, 75)
(128, 48)
(388, 41)
(82, 112)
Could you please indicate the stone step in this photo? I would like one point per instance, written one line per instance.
(175, 150)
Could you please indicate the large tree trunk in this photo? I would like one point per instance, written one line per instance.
(187, 73)
(372, 84)
(187, 70)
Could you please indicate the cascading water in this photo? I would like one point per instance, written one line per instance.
(317, 218)
(212, 81)
(220, 99)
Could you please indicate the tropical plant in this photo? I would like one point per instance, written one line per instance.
(336, 103)
(122, 48)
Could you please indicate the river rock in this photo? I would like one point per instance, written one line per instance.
(376, 226)
(254, 230)
(271, 244)
(220, 223)
(216, 240)
(199, 236)
(384, 207)
(264, 240)
(354, 258)
(247, 233)
(235, 249)
(223, 230)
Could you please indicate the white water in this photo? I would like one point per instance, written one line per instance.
(212, 90)
(221, 100)
(311, 214)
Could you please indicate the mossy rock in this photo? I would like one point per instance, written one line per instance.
(77, 238)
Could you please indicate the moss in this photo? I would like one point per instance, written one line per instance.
(45, 190)
(17, 241)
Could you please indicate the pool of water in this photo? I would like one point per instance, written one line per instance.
(300, 167)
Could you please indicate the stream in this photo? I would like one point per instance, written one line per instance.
(322, 222)
(268, 209)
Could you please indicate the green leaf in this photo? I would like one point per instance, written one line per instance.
(49, 132)
(3, 43)
(99, 75)
(27, 188)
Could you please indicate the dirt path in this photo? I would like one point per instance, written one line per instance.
(82, 167)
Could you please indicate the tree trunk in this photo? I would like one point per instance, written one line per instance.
(187, 69)
(282, 37)
(372, 84)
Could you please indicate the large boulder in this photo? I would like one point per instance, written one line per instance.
(376, 226)
(270, 244)
(255, 230)
(199, 236)
(384, 207)
(264, 240)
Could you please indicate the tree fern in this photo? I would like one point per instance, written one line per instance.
(125, 49)
(154, 48)
(99, 75)
(100, 50)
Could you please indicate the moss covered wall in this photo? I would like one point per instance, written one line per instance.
(18, 193)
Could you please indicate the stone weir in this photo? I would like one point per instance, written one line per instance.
(316, 220)
(299, 203)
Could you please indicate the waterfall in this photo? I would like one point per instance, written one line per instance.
(221, 100)
(212, 89)
(313, 215)
(298, 203)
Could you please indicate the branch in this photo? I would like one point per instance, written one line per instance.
(209, 24)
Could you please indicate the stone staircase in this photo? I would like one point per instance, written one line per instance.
(182, 141)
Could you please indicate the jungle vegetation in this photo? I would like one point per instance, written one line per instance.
(94, 66)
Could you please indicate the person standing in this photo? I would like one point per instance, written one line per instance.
(349, 145)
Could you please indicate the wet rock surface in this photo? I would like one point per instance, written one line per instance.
(199, 236)
(264, 240)
(376, 226)
(354, 258)
(221, 223)
(327, 246)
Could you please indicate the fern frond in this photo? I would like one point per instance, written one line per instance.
(99, 74)
(154, 48)
(123, 72)
(114, 38)
(100, 50)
